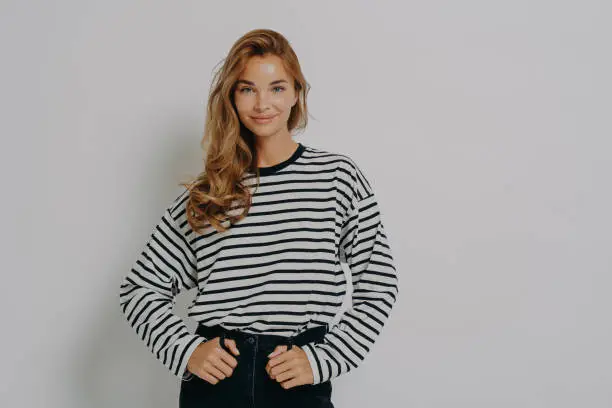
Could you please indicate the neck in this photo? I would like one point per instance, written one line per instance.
(274, 149)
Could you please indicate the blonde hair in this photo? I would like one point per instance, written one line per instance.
(229, 145)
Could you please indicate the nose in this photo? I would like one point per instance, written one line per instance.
(261, 101)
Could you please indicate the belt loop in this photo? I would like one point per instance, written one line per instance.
(222, 337)
(290, 343)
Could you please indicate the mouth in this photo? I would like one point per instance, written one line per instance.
(263, 119)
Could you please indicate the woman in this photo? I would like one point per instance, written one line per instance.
(261, 233)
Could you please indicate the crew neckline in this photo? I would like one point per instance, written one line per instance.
(267, 170)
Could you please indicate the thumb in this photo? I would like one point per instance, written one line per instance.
(231, 343)
(278, 350)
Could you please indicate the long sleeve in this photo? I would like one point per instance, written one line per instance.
(364, 247)
(165, 267)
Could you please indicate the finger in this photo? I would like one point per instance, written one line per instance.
(231, 343)
(279, 373)
(287, 375)
(207, 377)
(292, 383)
(276, 360)
(227, 357)
(278, 350)
(220, 364)
(215, 372)
(284, 356)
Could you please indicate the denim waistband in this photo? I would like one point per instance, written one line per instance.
(314, 334)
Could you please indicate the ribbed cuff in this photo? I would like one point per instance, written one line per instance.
(315, 364)
(182, 371)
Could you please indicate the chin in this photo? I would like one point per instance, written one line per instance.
(263, 130)
(264, 133)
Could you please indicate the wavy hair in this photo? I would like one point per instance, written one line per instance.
(229, 145)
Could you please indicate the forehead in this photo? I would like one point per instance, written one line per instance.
(264, 67)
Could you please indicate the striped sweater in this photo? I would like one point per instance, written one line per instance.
(276, 271)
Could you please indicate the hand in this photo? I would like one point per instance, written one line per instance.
(290, 368)
(211, 362)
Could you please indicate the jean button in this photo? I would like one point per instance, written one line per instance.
(251, 340)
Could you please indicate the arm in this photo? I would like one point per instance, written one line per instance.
(165, 267)
(364, 247)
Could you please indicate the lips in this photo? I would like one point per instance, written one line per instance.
(263, 119)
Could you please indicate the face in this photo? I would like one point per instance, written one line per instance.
(264, 96)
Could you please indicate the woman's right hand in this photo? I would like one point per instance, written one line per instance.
(211, 362)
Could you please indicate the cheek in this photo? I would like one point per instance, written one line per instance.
(242, 104)
(285, 102)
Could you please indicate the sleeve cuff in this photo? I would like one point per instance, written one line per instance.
(314, 362)
(185, 374)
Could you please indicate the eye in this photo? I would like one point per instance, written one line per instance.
(279, 87)
(244, 89)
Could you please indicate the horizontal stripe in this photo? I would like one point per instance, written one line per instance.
(276, 271)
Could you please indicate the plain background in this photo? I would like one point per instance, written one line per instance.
(484, 127)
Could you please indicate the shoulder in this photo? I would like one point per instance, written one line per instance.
(177, 208)
(339, 160)
(348, 170)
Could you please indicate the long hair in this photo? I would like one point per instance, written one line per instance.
(229, 145)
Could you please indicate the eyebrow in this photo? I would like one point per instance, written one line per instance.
(278, 81)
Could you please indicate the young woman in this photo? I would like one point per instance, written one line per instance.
(261, 233)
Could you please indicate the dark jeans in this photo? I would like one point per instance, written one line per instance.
(250, 386)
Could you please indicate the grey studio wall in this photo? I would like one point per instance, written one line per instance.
(483, 125)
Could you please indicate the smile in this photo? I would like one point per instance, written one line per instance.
(264, 120)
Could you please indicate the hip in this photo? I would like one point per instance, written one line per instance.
(250, 385)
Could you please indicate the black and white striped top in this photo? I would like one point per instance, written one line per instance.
(276, 271)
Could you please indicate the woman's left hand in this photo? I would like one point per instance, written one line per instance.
(290, 368)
